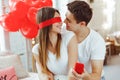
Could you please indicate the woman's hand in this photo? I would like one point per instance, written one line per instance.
(50, 76)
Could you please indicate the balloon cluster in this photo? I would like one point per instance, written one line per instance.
(22, 16)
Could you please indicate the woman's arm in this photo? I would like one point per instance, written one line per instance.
(42, 76)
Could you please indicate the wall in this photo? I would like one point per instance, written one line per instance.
(105, 23)
(116, 15)
(99, 17)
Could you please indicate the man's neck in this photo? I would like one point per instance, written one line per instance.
(82, 33)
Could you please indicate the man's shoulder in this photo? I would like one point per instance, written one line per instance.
(96, 35)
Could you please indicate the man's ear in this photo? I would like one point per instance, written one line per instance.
(82, 23)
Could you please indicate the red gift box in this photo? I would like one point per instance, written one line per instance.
(79, 68)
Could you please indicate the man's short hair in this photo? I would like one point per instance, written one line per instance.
(80, 10)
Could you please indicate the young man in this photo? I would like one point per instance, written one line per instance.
(91, 46)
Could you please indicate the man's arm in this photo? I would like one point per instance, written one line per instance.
(72, 52)
(72, 55)
(97, 66)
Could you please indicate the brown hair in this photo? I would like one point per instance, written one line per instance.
(80, 10)
(42, 15)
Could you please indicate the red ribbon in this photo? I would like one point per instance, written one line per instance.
(49, 22)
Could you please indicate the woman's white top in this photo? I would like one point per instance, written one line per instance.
(58, 66)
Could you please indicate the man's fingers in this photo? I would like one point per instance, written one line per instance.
(78, 76)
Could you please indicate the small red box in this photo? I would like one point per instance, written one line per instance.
(79, 68)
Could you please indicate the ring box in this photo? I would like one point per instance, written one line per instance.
(79, 67)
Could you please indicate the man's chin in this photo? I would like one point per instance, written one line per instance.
(68, 29)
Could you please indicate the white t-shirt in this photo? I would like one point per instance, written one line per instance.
(92, 48)
(60, 66)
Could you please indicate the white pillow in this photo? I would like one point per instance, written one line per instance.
(13, 60)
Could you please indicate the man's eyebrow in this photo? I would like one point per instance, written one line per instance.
(67, 18)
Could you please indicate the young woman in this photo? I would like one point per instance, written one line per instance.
(56, 52)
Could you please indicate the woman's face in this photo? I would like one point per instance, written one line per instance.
(56, 27)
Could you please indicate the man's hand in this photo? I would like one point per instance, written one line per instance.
(76, 76)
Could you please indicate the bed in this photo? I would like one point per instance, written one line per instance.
(32, 76)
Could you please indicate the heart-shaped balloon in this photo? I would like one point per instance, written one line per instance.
(14, 18)
(12, 4)
(22, 16)
(32, 14)
(21, 9)
(31, 2)
(43, 3)
(39, 3)
(12, 23)
(28, 29)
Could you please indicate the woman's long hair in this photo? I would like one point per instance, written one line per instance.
(42, 15)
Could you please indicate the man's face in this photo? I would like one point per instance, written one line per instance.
(70, 22)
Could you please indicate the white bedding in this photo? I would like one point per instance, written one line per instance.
(33, 76)
(60, 77)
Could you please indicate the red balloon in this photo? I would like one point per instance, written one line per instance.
(47, 2)
(22, 16)
(28, 29)
(43, 3)
(39, 3)
(31, 2)
(12, 4)
(12, 23)
(14, 19)
(32, 14)
(21, 9)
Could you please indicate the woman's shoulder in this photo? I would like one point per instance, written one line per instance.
(67, 33)
(67, 36)
(35, 49)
